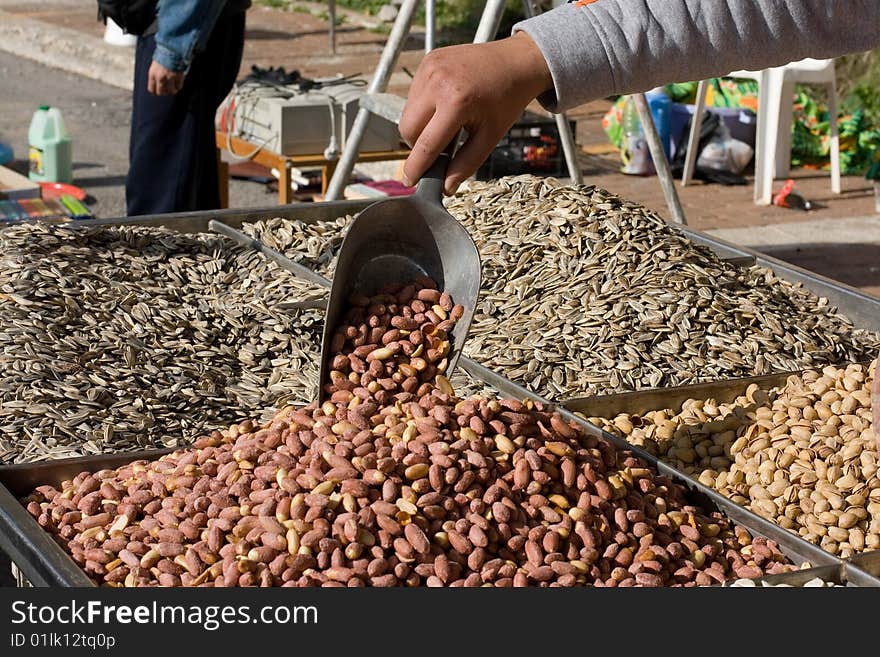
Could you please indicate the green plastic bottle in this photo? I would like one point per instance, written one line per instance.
(51, 152)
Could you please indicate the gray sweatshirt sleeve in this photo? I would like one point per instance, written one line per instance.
(623, 46)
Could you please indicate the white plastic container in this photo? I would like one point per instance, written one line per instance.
(114, 35)
(50, 153)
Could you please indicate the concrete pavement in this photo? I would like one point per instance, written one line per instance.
(27, 33)
(846, 249)
(98, 117)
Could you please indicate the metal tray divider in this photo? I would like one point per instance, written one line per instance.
(197, 222)
(835, 573)
(795, 545)
(866, 562)
(34, 552)
(844, 573)
(650, 399)
(859, 576)
(295, 268)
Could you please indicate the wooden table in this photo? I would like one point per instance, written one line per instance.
(284, 164)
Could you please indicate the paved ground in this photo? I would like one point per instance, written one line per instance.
(294, 40)
(98, 117)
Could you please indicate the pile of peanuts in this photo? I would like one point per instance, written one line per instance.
(394, 481)
(803, 455)
(392, 344)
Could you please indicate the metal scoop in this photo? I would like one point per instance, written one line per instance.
(396, 241)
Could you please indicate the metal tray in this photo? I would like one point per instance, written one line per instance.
(35, 553)
(43, 562)
(642, 401)
(793, 546)
(197, 222)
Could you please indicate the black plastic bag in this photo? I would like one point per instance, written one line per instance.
(711, 124)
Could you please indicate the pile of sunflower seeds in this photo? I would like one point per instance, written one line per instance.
(119, 338)
(124, 337)
(584, 292)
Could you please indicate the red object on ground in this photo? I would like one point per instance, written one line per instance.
(787, 198)
(57, 190)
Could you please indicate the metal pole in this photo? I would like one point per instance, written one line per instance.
(399, 33)
(569, 148)
(658, 155)
(387, 61)
(693, 145)
(429, 25)
(490, 21)
(331, 9)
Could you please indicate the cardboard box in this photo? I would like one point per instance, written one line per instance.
(15, 186)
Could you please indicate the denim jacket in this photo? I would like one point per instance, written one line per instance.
(184, 27)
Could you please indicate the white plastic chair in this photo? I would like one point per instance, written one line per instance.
(775, 108)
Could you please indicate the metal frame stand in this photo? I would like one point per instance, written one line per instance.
(490, 21)
(430, 27)
(331, 12)
(690, 157)
(658, 155)
(393, 47)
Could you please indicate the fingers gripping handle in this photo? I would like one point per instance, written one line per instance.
(431, 184)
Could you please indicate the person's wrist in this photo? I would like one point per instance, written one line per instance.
(533, 68)
(166, 57)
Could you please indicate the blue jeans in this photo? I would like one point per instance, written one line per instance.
(172, 152)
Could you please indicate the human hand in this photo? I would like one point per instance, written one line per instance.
(482, 88)
(162, 81)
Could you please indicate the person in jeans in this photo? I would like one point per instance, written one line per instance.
(185, 65)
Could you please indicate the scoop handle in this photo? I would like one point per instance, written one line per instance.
(430, 186)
